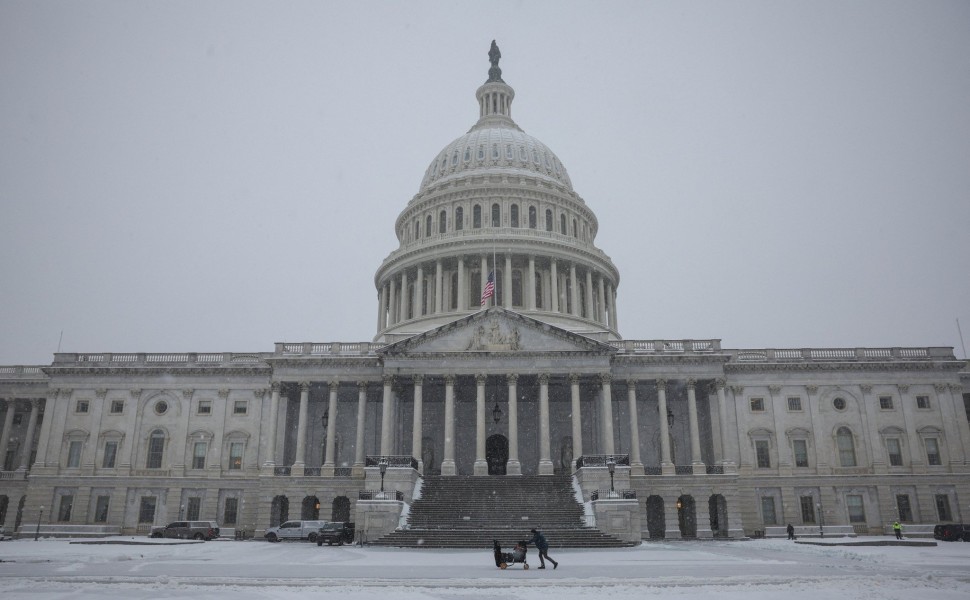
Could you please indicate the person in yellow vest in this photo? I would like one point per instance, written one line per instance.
(898, 530)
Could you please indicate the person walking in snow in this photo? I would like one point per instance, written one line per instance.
(791, 532)
(543, 547)
(898, 530)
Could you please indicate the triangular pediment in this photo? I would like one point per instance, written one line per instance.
(497, 330)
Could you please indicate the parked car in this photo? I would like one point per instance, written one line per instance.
(336, 533)
(951, 532)
(295, 530)
(187, 530)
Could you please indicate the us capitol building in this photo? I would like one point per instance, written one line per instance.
(662, 438)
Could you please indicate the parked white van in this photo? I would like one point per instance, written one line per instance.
(295, 530)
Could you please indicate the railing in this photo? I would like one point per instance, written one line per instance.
(282, 471)
(150, 473)
(407, 462)
(328, 348)
(312, 471)
(599, 460)
(378, 495)
(715, 470)
(666, 346)
(683, 470)
(343, 471)
(613, 495)
(13, 474)
(144, 358)
(840, 354)
(652, 471)
(26, 372)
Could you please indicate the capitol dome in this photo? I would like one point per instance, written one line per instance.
(496, 201)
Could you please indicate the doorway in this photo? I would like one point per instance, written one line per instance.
(496, 454)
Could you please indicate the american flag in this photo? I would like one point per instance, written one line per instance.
(489, 290)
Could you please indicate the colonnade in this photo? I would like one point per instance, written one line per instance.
(28, 441)
(524, 282)
(604, 405)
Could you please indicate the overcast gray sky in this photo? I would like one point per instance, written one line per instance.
(220, 176)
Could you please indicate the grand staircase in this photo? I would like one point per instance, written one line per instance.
(470, 512)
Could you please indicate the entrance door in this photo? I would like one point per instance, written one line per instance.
(496, 454)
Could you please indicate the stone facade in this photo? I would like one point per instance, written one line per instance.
(703, 441)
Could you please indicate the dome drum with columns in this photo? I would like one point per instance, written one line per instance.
(496, 199)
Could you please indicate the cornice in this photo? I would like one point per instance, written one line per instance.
(671, 359)
(155, 371)
(868, 366)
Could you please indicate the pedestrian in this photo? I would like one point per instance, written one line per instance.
(543, 547)
(898, 530)
(791, 532)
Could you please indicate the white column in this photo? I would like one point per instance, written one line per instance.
(29, 438)
(382, 309)
(417, 430)
(589, 295)
(419, 293)
(274, 411)
(448, 463)
(301, 427)
(531, 284)
(667, 468)
(601, 313)
(330, 462)
(636, 465)
(45, 430)
(573, 290)
(507, 280)
(722, 411)
(607, 413)
(695, 437)
(513, 466)
(481, 465)
(462, 292)
(387, 415)
(616, 322)
(7, 424)
(405, 297)
(577, 419)
(545, 461)
(438, 280)
(361, 423)
(554, 287)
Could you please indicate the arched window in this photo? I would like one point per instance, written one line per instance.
(514, 215)
(494, 151)
(459, 219)
(156, 448)
(539, 290)
(562, 224)
(548, 219)
(496, 215)
(417, 229)
(508, 151)
(468, 154)
(427, 227)
(454, 158)
(532, 217)
(516, 287)
(575, 228)
(454, 292)
(843, 438)
(481, 153)
(477, 217)
(442, 221)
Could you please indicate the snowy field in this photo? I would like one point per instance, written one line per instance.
(750, 570)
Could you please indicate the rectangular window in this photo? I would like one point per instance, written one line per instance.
(800, 449)
(768, 510)
(194, 508)
(235, 455)
(110, 454)
(886, 402)
(8, 459)
(794, 404)
(807, 504)
(64, 509)
(230, 513)
(857, 511)
(943, 507)
(198, 456)
(922, 402)
(156, 446)
(895, 452)
(146, 509)
(757, 405)
(117, 407)
(239, 407)
(903, 509)
(74, 454)
(205, 407)
(81, 406)
(18, 418)
(933, 452)
(761, 450)
(101, 509)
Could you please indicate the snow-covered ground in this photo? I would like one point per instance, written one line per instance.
(752, 570)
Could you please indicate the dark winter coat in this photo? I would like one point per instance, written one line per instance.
(539, 540)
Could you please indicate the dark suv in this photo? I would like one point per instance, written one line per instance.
(952, 532)
(336, 533)
(187, 530)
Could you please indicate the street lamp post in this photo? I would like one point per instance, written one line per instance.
(383, 466)
(39, 519)
(611, 465)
